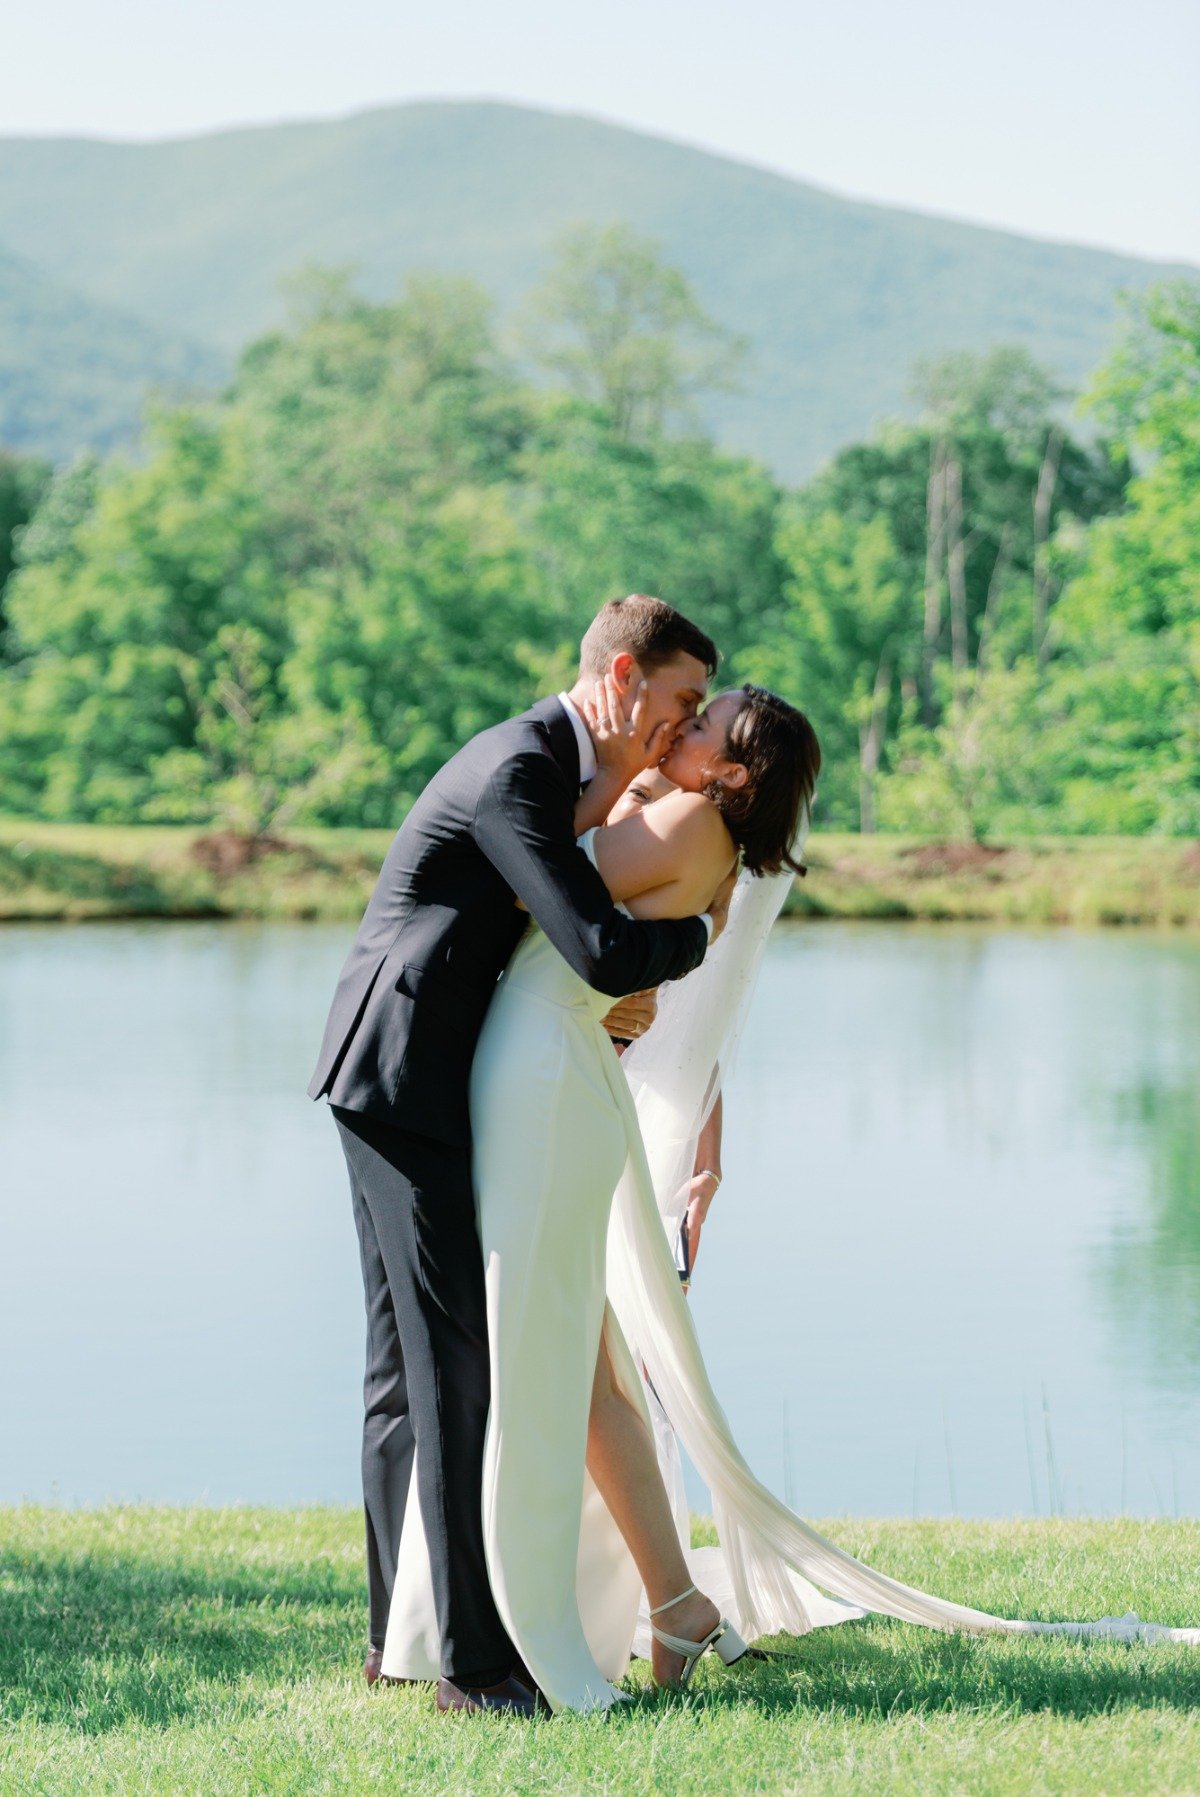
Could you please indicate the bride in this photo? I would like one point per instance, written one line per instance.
(582, 1286)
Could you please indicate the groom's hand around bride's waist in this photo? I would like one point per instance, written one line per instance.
(631, 1017)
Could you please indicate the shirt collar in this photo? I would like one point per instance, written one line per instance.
(583, 736)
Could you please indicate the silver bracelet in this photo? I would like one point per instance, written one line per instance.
(708, 1173)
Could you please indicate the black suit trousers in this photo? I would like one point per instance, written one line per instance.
(426, 1380)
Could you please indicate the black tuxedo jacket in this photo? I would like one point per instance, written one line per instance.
(496, 823)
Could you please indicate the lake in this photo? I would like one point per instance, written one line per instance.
(954, 1266)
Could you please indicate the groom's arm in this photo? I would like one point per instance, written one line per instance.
(524, 823)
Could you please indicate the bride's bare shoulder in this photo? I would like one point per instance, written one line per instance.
(687, 815)
(690, 823)
(680, 837)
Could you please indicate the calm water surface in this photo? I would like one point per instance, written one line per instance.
(955, 1265)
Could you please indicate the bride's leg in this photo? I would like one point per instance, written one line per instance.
(624, 1465)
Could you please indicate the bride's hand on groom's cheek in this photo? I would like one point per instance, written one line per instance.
(617, 722)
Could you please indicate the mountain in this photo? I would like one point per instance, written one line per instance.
(76, 372)
(836, 297)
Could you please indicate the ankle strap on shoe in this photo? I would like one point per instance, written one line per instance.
(672, 1601)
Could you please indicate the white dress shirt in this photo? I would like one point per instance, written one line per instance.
(588, 765)
(583, 736)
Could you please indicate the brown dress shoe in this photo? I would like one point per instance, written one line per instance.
(375, 1675)
(509, 1697)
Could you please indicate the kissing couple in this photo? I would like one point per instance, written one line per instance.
(507, 1173)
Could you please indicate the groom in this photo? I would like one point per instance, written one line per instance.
(496, 824)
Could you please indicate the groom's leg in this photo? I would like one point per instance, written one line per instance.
(422, 1208)
(387, 1442)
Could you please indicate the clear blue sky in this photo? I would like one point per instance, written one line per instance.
(1066, 119)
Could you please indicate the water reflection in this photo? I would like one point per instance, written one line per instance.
(1149, 1273)
(957, 1164)
(955, 1264)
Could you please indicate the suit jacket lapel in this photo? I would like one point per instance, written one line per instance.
(561, 734)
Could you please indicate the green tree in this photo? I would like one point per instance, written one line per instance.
(440, 638)
(975, 496)
(23, 483)
(623, 328)
(985, 501)
(987, 767)
(1127, 631)
(838, 647)
(359, 415)
(256, 766)
(308, 589)
(675, 517)
(66, 503)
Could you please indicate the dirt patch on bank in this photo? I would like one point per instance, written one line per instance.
(226, 852)
(934, 860)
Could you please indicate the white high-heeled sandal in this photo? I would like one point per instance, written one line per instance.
(724, 1640)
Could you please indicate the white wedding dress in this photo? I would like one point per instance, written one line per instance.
(574, 1245)
(553, 1126)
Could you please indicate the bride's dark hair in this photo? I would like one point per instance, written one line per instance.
(779, 750)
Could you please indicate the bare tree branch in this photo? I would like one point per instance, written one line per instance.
(956, 568)
(988, 621)
(935, 533)
(1043, 500)
(870, 744)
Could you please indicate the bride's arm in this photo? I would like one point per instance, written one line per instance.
(666, 860)
(597, 799)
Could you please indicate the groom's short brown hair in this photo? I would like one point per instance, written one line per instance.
(652, 632)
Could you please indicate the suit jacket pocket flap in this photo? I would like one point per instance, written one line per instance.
(408, 980)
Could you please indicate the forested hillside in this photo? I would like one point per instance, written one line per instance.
(835, 299)
(76, 373)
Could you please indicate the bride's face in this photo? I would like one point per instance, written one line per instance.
(698, 753)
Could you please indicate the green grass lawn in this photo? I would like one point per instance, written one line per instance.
(75, 871)
(215, 1651)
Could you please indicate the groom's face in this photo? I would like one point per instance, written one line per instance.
(674, 692)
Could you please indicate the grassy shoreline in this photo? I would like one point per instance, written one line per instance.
(217, 1650)
(72, 872)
